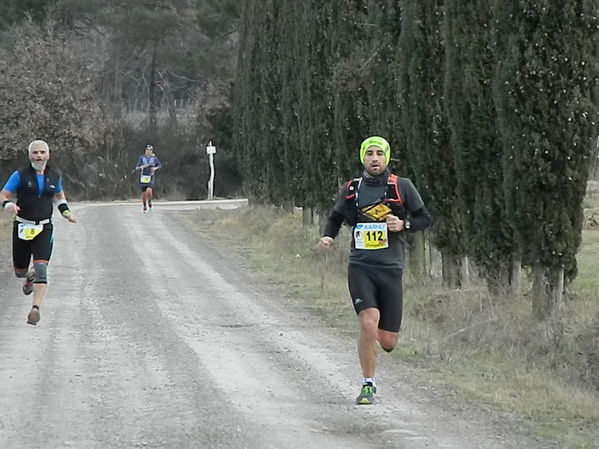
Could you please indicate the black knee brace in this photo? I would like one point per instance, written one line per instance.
(41, 272)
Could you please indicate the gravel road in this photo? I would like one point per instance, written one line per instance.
(153, 335)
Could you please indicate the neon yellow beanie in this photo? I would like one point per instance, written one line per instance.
(375, 141)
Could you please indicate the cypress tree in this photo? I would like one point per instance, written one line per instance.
(475, 140)
(424, 123)
(348, 81)
(269, 111)
(290, 32)
(381, 37)
(544, 90)
(385, 107)
(247, 100)
(315, 113)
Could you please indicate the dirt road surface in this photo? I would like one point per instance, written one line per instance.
(154, 336)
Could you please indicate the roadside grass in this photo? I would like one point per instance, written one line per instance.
(478, 348)
(285, 253)
(5, 225)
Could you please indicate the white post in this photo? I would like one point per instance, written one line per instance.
(211, 150)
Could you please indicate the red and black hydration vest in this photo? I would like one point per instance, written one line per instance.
(392, 198)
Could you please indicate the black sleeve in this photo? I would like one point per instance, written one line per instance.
(337, 216)
(333, 224)
(421, 219)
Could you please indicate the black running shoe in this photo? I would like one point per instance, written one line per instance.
(28, 285)
(34, 316)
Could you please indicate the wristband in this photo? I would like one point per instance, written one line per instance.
(6, 203)
(64, 208)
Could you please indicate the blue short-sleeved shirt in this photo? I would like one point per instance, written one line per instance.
(15, 179)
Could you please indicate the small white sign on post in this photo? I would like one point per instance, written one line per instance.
(210, 149)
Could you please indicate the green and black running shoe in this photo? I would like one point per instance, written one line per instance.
(366, 396)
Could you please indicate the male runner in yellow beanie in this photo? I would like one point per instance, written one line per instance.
(380, 208)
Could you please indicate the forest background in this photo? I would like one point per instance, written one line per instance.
(101, 79)
(491, 108)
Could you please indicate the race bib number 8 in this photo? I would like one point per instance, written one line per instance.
(29, 231)
(371, 236)
(145, 179)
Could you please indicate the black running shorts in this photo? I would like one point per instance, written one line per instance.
(379, 288)
(40, 247)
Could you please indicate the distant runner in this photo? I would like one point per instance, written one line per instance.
(37, 187)
(380, 207)
(147, 164)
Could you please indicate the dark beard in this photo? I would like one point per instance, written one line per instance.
(375, 180)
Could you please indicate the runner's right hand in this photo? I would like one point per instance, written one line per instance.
(325, 243)
(12, 208)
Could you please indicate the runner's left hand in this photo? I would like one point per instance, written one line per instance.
(70, 218)
(394, 224)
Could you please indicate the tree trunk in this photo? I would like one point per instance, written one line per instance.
(556, 276)
(170, 102)
(451, 268)
(153, 110)
(515, 274)
(307, 216)
(322, 217)
(117, 87)
(547, 291)
(435, 262)
(464, 272)
(417, 256)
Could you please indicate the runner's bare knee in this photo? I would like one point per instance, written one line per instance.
(21, 273)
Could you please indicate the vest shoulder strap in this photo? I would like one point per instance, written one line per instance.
(351, 187)
(393, 195)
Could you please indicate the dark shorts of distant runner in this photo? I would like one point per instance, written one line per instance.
(145, 187)
(40, 247)
(379, 288)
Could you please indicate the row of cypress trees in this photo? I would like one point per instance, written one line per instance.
(490, 107)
